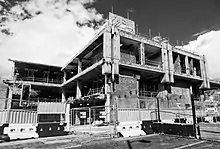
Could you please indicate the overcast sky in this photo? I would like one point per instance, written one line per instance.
(47, 31)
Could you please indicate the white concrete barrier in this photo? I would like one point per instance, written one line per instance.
(130, 129)
(21, 131)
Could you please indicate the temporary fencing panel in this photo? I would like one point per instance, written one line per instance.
(133, 114)
(100, 119)
(51, 108)
(18, 116)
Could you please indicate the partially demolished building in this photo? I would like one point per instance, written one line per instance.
(130, 70)
(117, 67)
(119, 76)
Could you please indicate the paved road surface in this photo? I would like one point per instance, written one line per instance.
(83, 141)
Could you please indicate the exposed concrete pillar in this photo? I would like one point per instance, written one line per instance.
(177, 67)
(115, 51)
(194, 71)
(108, 108)
(63, 95)
(142, 54)
(67, 117)
(107, 85)
(191, 66)
(79, 65)
(165, 78)
(9, 99)
(138, 77)
(138, 99)
(64, 76)
(206, 72)
(107, 44)
(203, 69)
(170, 63)
(78, 89)
(187, 64)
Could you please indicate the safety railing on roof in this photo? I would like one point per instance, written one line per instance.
(96, 91)
(143, 93)
(42, 80)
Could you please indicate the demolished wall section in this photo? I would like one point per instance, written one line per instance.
(125, 94)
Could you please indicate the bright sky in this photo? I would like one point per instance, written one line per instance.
(47, 31)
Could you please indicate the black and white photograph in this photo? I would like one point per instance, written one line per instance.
(109, 74)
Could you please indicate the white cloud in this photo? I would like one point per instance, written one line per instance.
(209, 45)
(50, 36)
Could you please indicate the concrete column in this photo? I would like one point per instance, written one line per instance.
(142, 54)
(138, 100)
(67, 117)
(177, 67)
(206, 71)
(203, 69)
(107, 44)
(187, 64)
(115, 52)
(108, 99)
(138, 77)
(107, 85)
(107, 52)
(79, 89)
(79, 65)
(170, 64)
(194, 71)
(9, 99)
(63, 95)
(64, 76)
(108, 108)
(191, 66)
(165, 78)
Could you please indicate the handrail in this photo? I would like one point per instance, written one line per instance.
(153, 63)
(36, 79)
(177, 114)
(96, 91)
(147, 93)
